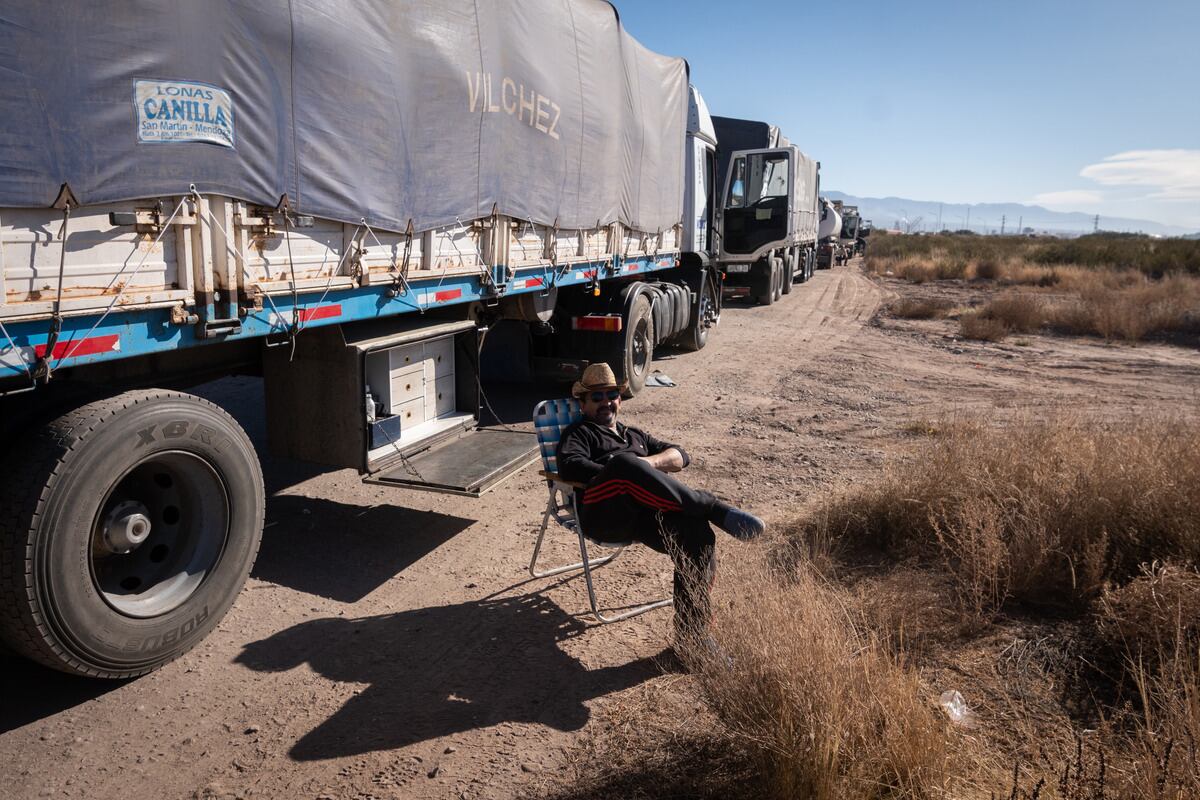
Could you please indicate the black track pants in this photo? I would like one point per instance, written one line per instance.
(631, 500)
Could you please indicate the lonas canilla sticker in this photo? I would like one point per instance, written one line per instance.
(182, 111)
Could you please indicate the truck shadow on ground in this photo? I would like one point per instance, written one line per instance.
(345, 552)
(30, 692)
(443, 670)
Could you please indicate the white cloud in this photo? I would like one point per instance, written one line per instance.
(1174, 174)
(1068, 200)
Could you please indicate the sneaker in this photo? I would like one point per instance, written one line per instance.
(742, 525)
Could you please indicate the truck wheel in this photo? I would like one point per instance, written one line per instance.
(777, 276)
(789, 271)
(639, 345)
(129, 527)
(762, 282)
(695, 336)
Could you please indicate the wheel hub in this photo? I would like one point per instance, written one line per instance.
(126, 527)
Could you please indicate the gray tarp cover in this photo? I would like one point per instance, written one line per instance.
(427, 111)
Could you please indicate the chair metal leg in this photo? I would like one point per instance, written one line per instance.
(587, 576)
(537, 549)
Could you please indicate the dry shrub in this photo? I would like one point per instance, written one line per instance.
(1034, 511)
(1022, 274)
(986, 269)
(917, 272)
(1132, 312)
(825, 709)
(920, 308)
(974, 325)
(1020, 312)
(949, 268)
(1155, 614)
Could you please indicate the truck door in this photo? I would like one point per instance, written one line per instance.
(757, 201)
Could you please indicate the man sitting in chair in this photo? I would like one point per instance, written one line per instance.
(629, 495)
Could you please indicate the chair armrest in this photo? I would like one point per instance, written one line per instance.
(553, 476)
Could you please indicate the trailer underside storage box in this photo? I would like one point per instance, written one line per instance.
(424, 386)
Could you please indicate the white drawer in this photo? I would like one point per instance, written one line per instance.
(407, 386)
(439, 357)
(405, 358)
(411, 413)
(439, 396)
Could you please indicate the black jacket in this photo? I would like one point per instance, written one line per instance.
(586, 447)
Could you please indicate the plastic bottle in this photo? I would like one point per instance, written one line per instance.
(370, 406)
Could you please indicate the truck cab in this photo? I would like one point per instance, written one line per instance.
(769, 220)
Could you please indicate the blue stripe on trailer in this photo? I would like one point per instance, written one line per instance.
(141, 332)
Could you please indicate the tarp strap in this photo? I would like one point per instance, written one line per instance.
(337, 269)
(284, 206)
(42, 370)
(485, 274)
(401, 273)
(71, 345)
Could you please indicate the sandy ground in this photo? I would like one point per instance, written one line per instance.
(388, 643)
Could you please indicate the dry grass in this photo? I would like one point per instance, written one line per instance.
(1151, 628)
(974, 325)
(1114, 302)
(824, 707)
(1131, 312)
(1041, 512)
(1165, 742)
(920, 308)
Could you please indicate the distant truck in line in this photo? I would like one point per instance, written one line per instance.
(769, 214)
(840, 230)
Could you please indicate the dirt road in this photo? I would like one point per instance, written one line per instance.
(388, 645)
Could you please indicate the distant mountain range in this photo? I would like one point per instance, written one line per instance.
(903, 213)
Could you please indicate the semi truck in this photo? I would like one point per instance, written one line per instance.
(831, 248)
(342, 199)
(769, 214)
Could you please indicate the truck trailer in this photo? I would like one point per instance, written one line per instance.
(769, 212)
(341, 198)
(831, 247)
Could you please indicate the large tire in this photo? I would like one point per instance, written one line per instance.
(695, 336)
(777, 276)
(762, 281)
(789, 271)
(129, 526)
(638, 351)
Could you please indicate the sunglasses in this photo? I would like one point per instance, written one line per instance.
(611, 394)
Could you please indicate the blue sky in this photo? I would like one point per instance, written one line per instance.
(1077, 106)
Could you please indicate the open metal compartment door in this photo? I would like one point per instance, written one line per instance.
(469, 464)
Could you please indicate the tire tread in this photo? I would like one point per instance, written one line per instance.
(27, 476)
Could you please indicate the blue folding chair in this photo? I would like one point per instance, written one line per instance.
(550, 419)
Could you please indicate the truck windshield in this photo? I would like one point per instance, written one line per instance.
(757, 177)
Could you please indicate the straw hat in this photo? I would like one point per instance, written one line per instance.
(595, 378)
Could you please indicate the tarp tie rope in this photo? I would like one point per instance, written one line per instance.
(12, 347)
(41, 370)
(401, 272)
(72, 345)
(485, 274)
(337, 269)
(284, 207)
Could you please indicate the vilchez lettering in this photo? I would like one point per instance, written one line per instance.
(531, 108)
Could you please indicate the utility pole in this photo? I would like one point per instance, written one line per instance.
(939, 227)
(1096, 224)
(1003, 219)
(1020, 224)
